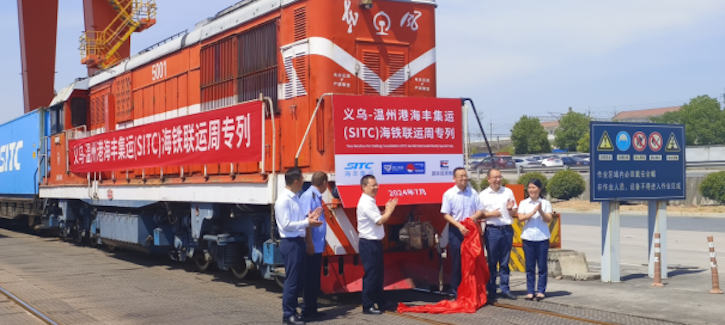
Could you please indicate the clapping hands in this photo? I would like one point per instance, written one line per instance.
(510, 204)
(314, 217)
(538, 209)
(390, 206)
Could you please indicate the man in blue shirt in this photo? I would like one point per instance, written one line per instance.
(311, 200)
(292, 221)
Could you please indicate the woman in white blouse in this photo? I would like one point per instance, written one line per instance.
(536, 213)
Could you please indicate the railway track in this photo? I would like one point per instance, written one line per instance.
(518, 308)
(410, 316)
(498, 313)
(29, 308)
(504, 308)
(553, 314)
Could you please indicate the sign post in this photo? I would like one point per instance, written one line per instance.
(610, 241)
(634, 162)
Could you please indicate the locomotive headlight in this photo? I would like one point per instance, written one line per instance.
(366, 4)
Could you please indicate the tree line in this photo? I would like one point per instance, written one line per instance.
(703, 118)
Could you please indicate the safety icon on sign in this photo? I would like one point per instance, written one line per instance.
(639, 141)
(623, 141)
(655, 141)
(605, 144)
(672, 145)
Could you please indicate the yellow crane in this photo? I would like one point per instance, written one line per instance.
(99, 49)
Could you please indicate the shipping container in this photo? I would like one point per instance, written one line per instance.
(19, 141)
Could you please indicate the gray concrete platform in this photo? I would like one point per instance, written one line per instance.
(83, 285)
(12, 313)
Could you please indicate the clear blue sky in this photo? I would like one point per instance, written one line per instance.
(514, 58)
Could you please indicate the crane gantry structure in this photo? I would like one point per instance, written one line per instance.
(105, 42)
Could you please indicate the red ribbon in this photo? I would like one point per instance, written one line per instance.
(474, 277)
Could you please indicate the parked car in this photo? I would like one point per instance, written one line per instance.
(574, 161)
(536, 159)
(552, 162)
(505, 162)
(529, 162)
(501, 162)
(583, 156)
(582, 161)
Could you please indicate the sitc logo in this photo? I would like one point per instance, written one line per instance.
(359, 166)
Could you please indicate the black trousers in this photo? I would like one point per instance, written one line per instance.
(499, 241)
(371, 254)
(536, 253)
(313, 266)
(293, 253)
(455, 238)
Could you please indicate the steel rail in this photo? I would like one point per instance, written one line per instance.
(552, 314)
(419, 319)
(519, 308)
(28, 307)
(500, 305)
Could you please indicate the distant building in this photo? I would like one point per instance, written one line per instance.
(550, 128)
(644, 115)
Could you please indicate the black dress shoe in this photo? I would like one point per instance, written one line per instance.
(293, 320)
(372, 311)
(508, 295)
(315, 315)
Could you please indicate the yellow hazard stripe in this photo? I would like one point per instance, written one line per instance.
(555, 230)
(517, 261)
(518, 227)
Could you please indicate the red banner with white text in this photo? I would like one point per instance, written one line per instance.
(410, 144)
(226, 135)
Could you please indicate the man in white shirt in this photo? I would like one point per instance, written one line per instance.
(498, 205)
(291, 223)
(371, 231)
(458, 203)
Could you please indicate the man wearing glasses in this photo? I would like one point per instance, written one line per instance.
(498, 203)
(459, 202)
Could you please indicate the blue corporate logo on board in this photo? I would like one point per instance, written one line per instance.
(403, 168)
(623, 141)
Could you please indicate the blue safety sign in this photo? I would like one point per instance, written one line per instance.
(637, 161)
(623, 141)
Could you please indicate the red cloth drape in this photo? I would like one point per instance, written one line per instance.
(474, 276)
